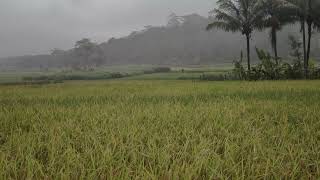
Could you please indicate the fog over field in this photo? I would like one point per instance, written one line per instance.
(37, 26)
(159, 89)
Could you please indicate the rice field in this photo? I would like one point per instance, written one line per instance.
(136, 129)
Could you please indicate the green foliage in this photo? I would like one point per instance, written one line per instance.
(158, 70)
(239, 71)
(295, 70)
(118, 75)
(267, 69)
(161, 69)
(238, 16)
(215, 77)
(296, 47)
(243, 16)
(314, 71)
(31, 82)
(270, 69)
(66, 77)
(89, 54)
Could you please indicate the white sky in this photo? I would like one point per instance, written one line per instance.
(37, 26)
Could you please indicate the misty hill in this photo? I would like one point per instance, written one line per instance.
(183, 41)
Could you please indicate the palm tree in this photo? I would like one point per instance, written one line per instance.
(239, 16)
(306, 12)
(312, 21)
(277, 15)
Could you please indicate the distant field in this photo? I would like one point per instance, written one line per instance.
(136, 72)
(17, 76)
(172, 76)
(134, 129)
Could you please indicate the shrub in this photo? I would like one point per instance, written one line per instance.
(60, 78)
(217, 77)
(117, 75)
(148, 72)
(239, 71)
(270, 69)
(40, 82)
(157, 70)
(161, 69)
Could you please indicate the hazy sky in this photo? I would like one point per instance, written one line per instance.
(36, 26)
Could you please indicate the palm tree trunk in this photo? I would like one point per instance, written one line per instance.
(248, 52)
(309, 46)
(273, 40)
(275, 48)
(309, 23)
(304, 48)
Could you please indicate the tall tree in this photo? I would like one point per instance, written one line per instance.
(307, 13)
(174, 20)
(278, 13)
(239, 16)
(312, 21)
(84, 50)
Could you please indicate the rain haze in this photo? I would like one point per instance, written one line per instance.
(37, 26)
(159, 89)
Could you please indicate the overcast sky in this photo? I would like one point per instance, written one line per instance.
(37, 26)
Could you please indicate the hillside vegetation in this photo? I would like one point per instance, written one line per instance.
(184, 41)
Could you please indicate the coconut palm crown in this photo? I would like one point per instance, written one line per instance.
(243, 16)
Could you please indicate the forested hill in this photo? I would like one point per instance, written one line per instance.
(183, 41)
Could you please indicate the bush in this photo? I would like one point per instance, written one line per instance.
(148, 72)
(270, 69)
(40, 82)
(118, 75)
(217, 77)
(157, 70)
(61, 78)
(239, 71)
(161, 69)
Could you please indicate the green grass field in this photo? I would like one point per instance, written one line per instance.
(134, 129)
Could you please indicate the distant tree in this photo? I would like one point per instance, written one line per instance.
(85, 44)
(296, 47)
(111, 40)
(83, 50)
(174, 20)
(148, 27)
(90, 54)
(57, 52)
(239, 16)
(296, 70)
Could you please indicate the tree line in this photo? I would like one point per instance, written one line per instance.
(247, 16)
